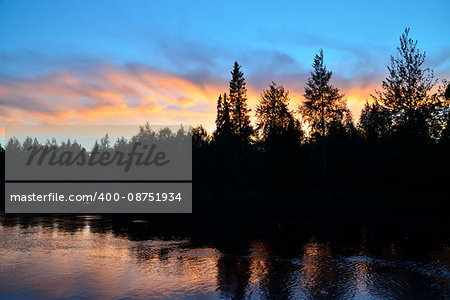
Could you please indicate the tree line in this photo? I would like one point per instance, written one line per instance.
(406, 106)
(146, 135)
(399, 144)
(292, 158)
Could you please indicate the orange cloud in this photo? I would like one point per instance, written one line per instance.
(128, 95)
(357, 97)
(111, 96)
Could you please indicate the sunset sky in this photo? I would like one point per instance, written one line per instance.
(165, 62)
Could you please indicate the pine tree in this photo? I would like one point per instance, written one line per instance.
(408, 84)
(443, 96)
(445, 134)
(219, 117)
(238, 106)
(95, 149)
(324, 104)
(105, 143)
(375, 121)
(447, 92)
(406, 91)
(324, 107)
(273, 113)
(224, 128)
(200, 137)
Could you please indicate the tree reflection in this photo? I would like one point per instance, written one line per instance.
(108, 257)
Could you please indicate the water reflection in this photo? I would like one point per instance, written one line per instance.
(104, 258)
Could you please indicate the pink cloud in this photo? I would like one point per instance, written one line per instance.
(129, 95)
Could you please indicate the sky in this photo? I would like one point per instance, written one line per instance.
(165, 62)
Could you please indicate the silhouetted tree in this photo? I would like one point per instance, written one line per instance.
(349, 125)
(444, 95)
(182, 135)
(342, 127)
(445, 135)
(13, 145)
(105, 143)
(96, 147)
(375, 121)
(239, 111)
(165, 134)
(406, 90)
(200, 137)
(121, 143)
(2, 163)
(29, 143)
(273, 113)
(146, 135)
(281, 132)
(438, 113)
(224, 126)
(447, 92)
(324, 104)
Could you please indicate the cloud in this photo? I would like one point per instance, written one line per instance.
(133, 93)
(110, 95)
(184, 101)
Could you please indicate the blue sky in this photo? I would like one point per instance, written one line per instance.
(110, 44)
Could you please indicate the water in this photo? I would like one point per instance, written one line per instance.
(95, 257)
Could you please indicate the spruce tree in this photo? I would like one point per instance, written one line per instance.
(273, 113)
(374, 122)
(200, 137)
(324, 107)
(324, 104)
(219, 116)
(224, 128)
(407, 86)
(238, 106)
(406, 90)
(447, 92)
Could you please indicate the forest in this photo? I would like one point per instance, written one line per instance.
(316, 159)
